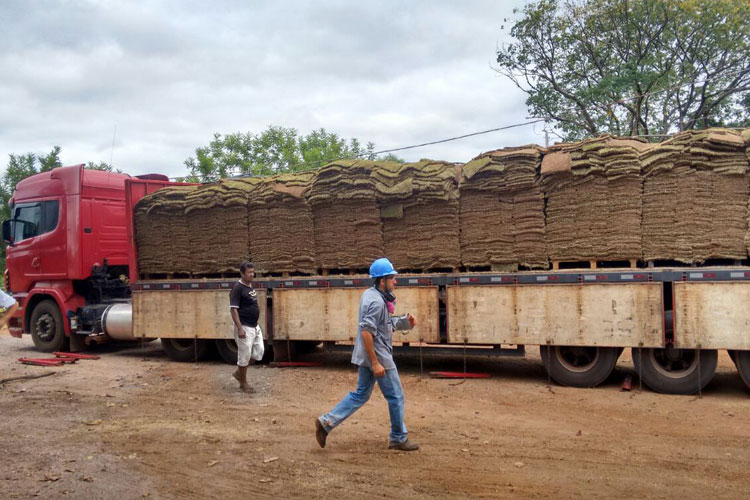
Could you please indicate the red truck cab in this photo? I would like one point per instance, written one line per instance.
(68, 251)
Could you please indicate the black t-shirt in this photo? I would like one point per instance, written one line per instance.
(245, 299)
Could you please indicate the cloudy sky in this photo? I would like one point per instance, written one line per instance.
(168, 74)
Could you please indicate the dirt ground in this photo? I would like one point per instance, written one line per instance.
(136, 425)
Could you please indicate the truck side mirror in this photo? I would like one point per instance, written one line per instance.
(7, 232)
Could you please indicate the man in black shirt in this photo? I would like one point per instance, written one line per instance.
(243, 303)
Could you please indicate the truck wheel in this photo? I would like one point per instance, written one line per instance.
(47, 330)
(185, 349)
(675, 371)
(227, 350)
(742, 360)
(579, 366)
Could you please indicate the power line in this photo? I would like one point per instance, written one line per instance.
(364, 155)
(457, 137)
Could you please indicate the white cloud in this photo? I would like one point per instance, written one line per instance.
(170, 74)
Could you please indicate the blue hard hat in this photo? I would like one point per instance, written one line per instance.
(382, 267)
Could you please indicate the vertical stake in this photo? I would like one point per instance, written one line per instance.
(421, 367)
(640, 367)
(700, 393)
(465, 340)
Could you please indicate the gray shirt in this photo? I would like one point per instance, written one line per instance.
(374, 317)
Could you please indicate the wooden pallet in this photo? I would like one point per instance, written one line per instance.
(590, 264)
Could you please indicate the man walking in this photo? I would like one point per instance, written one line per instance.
(243, 303)
(373, 353)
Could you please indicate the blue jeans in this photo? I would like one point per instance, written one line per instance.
(390, 386)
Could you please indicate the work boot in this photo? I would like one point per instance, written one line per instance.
(320, 433)
(405, 446)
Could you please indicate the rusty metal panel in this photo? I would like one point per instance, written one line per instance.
(590, 315)
(712, 315)
(202, 314)
(331, 314)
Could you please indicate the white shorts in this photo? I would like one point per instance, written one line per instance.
(251, 347)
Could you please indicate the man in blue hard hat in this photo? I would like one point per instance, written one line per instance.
(373, 353)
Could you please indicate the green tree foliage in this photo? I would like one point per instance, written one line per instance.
(632, 67)
(275, 150)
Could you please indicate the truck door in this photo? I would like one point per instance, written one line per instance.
(53, 241)
(26, 227)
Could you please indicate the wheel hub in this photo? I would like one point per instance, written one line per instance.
(183, 344)
(577, 359)
(46, 327)
(674, 363)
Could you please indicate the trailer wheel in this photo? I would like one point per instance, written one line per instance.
(47, 330)
(742, 360)
(579, 366)
(227, 350)
(675, 371)
(185, 349)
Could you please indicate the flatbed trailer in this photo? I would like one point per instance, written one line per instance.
(674, 319)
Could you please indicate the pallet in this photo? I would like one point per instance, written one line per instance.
(339, 271)
(558, 265)
(707, 263)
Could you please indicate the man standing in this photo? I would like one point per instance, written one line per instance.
(243, 302)
(373, 353)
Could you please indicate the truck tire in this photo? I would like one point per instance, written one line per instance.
(579, 366)
(185, 350)
(742, 361)
(46, 325)
(227, 350)
(675, 371)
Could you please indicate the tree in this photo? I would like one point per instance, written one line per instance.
(632, 67)
(275, 150)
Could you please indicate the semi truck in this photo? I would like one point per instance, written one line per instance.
(73, 267)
